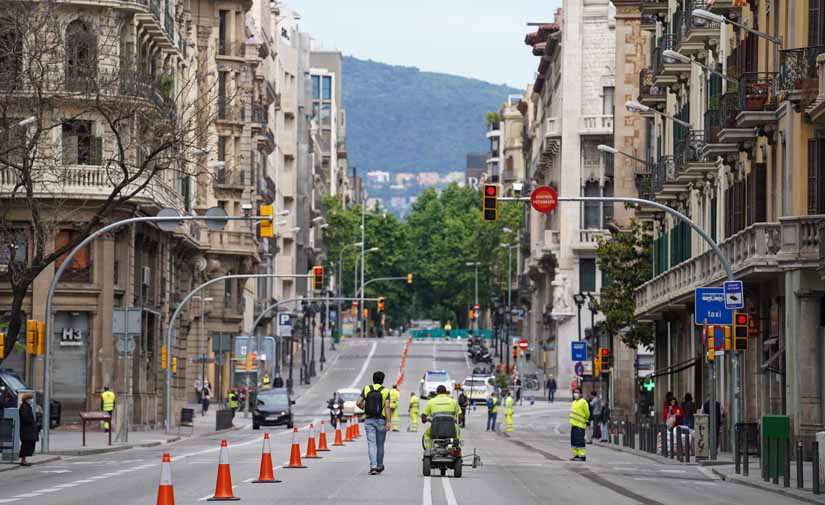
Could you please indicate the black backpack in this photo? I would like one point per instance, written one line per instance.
(374, 403)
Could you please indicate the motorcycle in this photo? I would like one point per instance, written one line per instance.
(336, 412)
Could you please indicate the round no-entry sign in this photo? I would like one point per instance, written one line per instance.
(523, 344)
(544, 199)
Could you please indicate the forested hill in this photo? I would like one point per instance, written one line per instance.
(401, 119)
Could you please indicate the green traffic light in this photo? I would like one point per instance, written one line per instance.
(649, 385)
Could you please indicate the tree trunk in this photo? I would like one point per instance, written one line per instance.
(18, 296)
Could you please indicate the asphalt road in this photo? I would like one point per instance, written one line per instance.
(526, 467)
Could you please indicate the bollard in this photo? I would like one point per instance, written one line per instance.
(686, 444)
(663, 439)
(745, 462)
(786, 478)
(671, 442)
(800, 477)
(677, 433)
(774, 465)
(815, 468)
(737, 454)
(764, 462)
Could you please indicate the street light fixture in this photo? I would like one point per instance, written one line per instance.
(611, 150)
(29, 120)
(716, 18)
(579, 299)
(633, 106)
(324, 226)
(675, 55)
(217, 165)
(317, 219)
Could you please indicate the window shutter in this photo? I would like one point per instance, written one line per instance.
(96, 152)
(813, 172)
(816, 13)
(760, 181)
(750, 185)
(69, 149)
(713, 218)
(820, 173)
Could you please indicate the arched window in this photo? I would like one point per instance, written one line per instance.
(81, 56)
(11, 53)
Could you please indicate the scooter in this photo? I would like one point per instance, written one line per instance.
(336, 413)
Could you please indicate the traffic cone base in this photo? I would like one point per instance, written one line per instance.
(311, 452)
(322, 443)
(295, 453)
(223, 487)
(266, 475)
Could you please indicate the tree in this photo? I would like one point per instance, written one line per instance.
(86, 127)
(625, 259)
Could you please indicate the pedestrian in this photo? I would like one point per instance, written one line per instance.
(375, 402)
(689, 409)
(518, 390)
(232, 401)
(666, 406)
(206, 395)
(579, 418)
(107, 404)
(463, 403)
(551, 389)
(605, 421)
(28, 429)
(413, 410)
(593, 428)
(395, 402)
(574, 385)
(492, 411)
(508, 412)
(675, 414)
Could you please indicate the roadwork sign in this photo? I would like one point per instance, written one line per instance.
(710, 307)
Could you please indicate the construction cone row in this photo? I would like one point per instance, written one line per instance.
(311, 452)
(357, 429)
(338, 440)
(266, 475)
(295, 452)
(322, 439)
(166, 490)
(223, 486)
(349, 432)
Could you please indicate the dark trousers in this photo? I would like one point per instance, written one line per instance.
(204, 406)
(551, 395)
(491, 421)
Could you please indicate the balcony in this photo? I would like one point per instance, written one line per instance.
(162, 32)
(697, 32)
(758, 249)
(229, 49)
(649, 20)
(757, 99)
(730, 133)
(235, 243)
(508, 175)
(265, 139)
(667, 70)
(552, 241)
(587, 240)
(229, 179)
(649, 93)
(653, 12)
(552, 127)
(493, 129)
(689, 157)
(713, 146)
(816, 110)
(228, 112)
(599, 124)
(260, 113)
(799, 79)
(663, 179)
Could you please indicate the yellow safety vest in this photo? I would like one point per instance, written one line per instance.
(442, 404)
(508, 406)
(579, 413)
(395, 397)
(414, 403)
(233, 401)
(108, 398)
(494, 409)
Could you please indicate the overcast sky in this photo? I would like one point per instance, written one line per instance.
(483, 39)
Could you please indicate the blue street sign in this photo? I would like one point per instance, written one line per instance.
(579, 351)
(710, 307)
(734, 295)
(579, 368)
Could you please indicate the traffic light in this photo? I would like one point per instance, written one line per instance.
(163, 357)
(317, 278)
(597, 365)
(355, 308)
(41, 338)
(31, 337)
(649, 385)
(472, 315)
(250, 357)
(515, 351)
(267, 225)
(380, 304)
(174, 365)
(366, 313)
(490, 202)
(2, 344)
(604, 359)
(409, 278)
(741, 327)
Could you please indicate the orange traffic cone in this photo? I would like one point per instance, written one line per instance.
(311, 452)
(266, 474)
(349, 432)
(166, 490)
(338, 440)
(322, 439)
(223, 488)
(295, 452)
(357, 428)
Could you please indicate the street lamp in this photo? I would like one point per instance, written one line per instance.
(612, 150)
(216, 165)
(204, 301)
(362, 259)
(509, 298)
(26, 122)
(317, 220)
(475, 264)
(675, 55)
(578, 299)
(633, 106)
(716, 18)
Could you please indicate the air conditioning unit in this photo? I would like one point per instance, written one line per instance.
(147, 276)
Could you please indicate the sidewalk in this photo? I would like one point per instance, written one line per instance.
(754, 479)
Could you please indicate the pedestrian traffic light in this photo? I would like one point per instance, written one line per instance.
(317, 278)
(41, 338)
(741, 327)
(267, 224)
(163, 360)
(409, 278)
(490, 202)
(380, 304)
(604, 359)
(31, 337)
(649, 385)
(174, 365)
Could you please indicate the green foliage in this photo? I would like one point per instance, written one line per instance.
(626, 260)
(402, 119)
(440, 235)
(167, 84)
(493, 117)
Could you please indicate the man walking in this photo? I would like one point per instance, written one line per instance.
(232, 402)
(413, 410)
(551, 389)
(579, 417)
(492, 412)
(593, 428)
(375, 402)
(107, 404)
(508, 412)
(395, 401)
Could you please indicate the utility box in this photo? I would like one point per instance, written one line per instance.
(775, 428)
(10, 434)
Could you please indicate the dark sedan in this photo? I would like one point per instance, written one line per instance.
(273, 408)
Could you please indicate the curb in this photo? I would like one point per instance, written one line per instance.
(741, 481)
(13, 466)
(656, 459)
(115, 448)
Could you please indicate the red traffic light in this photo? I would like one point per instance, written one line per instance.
(741, 319)
(318, 270)
(605, 351)
(491, 190)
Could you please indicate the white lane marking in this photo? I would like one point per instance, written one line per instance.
(48, 490)
(27, 495)
(55, 471)
(84, 481)
(673, 471)
(448, 490)
(211, 495)
(70, 484)
(427, 494)
(357, 380)
(7, 500)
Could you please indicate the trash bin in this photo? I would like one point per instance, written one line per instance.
(776, 428)
(336, 337)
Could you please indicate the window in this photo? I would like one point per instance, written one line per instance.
(607, 207)
(592, 219)
(81, 56)
(222, 35)
(713, 218)
(80, 147)
(221, 148)
(11, 50)
(14, 246)
(316, 87)
(757, 193)
(816, 22)
(587, 275)
(227, 292)
(327, 91)
(221, 95)
(607, 102)
(81, 268)
(816, 175)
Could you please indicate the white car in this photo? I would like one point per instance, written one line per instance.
(350, 396)
(431, 380)
(477, 389)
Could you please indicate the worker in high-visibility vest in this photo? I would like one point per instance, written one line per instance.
(508, 411)
(395, 402)
(414, 407)
(579, 417)
(232, 401)
(107, 404)
(266, 383)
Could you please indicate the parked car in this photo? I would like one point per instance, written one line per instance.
(273, 407)
(350, 396)
(12, 385)
(477, 389)
(431, 380)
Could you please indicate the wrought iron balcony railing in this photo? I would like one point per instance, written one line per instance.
(800, 73)
(664, 171)
(757, 91)
(689, 150)
(713, 123)
(729, 109)
(647, 88)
